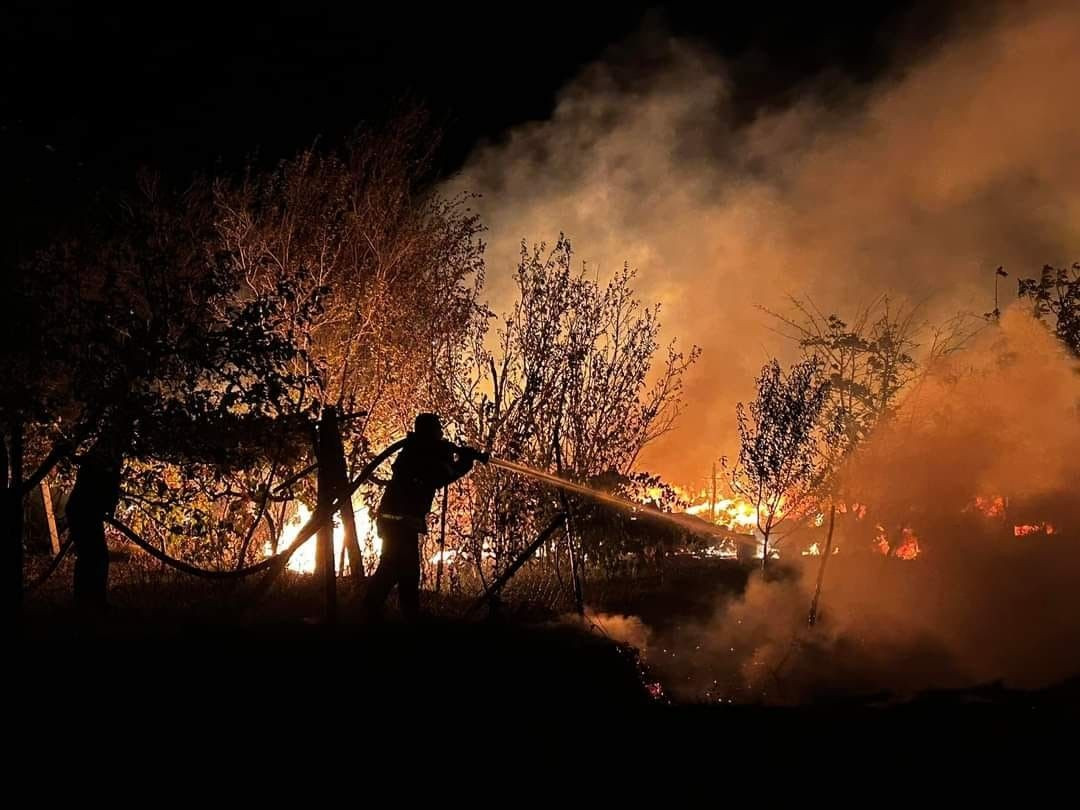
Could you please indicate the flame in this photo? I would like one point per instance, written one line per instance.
(855, 508)
(654, 494)
(1033, 528)
(303, 561)
(734, 514)
(724, 551)
(815, 550)
(908, 548)
(991, 506)
(446, 557)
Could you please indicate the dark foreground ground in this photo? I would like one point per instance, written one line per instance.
(489, 675)
(195, 666)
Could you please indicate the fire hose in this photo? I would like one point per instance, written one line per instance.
(180, 565)
(315, 523)
(48, 572)
(280, 559)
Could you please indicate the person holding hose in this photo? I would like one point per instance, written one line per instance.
(426, 463)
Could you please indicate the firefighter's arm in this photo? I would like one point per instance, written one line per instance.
(460, 462)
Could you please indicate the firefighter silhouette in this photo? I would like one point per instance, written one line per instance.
(426, 463)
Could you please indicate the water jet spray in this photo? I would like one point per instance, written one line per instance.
(688, 522)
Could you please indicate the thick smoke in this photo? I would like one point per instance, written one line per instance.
(962, 158)
(979, 604)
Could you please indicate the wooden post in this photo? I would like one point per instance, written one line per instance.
(575, 564)
(351, 545)
(712, 501)
(324, 539)
(15, 518)
(332, 458)
(50, 517)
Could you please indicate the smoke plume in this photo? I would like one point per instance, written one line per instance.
(979, 604)
(961, 158)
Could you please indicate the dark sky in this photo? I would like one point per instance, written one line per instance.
(87, 96)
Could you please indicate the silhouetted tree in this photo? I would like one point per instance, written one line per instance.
(871, 358)
(783, 444)
(34, 364)
(395, 269)
(571, 386)
(1055, 298)
(171, 356)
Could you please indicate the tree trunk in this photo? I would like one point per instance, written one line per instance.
(95, 495)
(575, 567)
(328, 483)
(324, 552)
(352, 540)
(11, 514)
(821, 567)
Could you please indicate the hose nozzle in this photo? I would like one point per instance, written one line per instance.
(476, 455)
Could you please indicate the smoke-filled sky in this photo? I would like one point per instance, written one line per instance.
(963, 157)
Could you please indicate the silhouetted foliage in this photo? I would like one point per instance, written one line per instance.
(165, 344)
(784, 443)
(572, 386)
(1055, 298)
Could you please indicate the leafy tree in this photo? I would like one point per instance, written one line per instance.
(394, 268)
(1055, 298)
(783, 444)
(171, 355)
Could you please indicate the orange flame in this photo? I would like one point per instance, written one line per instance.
(303, 560)
(990, 506)
(734, 514)
(908, 548)
(1026, 529)
(857, 509)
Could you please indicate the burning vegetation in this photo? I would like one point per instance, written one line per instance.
(227, 371)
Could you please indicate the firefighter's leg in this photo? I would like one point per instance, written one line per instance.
(92, 563)
(386, 573)
(409, 577)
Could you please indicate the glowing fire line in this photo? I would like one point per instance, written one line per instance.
(303, 560)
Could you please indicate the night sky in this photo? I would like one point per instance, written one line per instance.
(87, 97)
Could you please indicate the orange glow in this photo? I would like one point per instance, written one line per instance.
(1026, 529)
(734, 514)
(991, 506)
(303, 561)
(908, 548)
(857, 509)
